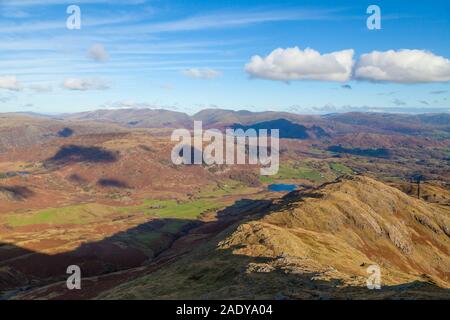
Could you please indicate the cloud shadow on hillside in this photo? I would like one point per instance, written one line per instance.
(112, 183)
(17, 193)
(74, 154)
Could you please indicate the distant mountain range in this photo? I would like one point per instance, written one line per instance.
(292, 125)
(220, 117)
(354, 129)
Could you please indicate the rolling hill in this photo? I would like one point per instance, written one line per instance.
(315, 244)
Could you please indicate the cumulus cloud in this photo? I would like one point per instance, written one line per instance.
(10, 83)
(98, 53)
(403, 66)
(205, 73)
(296, 64)
(81, 84)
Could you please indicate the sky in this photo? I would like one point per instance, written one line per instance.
(299, 56)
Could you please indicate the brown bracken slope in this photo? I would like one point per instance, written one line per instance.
(316, 244)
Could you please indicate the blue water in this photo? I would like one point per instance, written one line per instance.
(279, 187)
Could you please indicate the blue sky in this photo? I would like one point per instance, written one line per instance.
(191, 55)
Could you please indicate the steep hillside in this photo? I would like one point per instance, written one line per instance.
(316, 244)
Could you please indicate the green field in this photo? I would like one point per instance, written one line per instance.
(294, 171)
(92, 212)
(173, 208)
(77, 214)
(227, 187)
(339, 168)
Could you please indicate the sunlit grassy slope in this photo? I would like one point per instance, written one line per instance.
(314, 172)
(93, 212)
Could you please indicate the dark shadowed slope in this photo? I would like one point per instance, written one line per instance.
(287, 129)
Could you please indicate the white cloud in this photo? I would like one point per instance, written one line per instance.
(205, 73)
(98, 53)
(403, 66)
(84, 84)
(10, 83)
(296, 64)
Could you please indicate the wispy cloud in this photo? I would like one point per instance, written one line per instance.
(31, 26)
(205, 73)
(80, 84)
(331, 108)
(398, 102)
(227, 20)
(439, 92)
(40, 88)
(132, 104)
(31, 3)
(7, 98)
(13, 13)
(387, 93)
